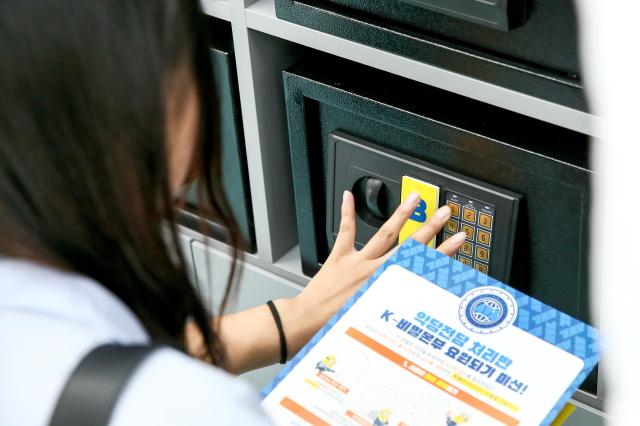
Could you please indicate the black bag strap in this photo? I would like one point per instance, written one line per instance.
(92, 390)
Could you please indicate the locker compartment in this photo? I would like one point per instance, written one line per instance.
(349, 124)
(527, 46)
(235, 179)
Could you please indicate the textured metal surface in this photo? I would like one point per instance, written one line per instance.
(544, 163)
(499, 14)
(235, 181)
(538, 58)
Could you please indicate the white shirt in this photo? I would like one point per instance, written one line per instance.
(49, 320)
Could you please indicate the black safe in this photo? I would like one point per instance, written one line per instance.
(528, 46)
(235, 179)
(351, 125)
(488, 215)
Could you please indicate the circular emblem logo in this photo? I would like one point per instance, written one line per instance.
(487, 310)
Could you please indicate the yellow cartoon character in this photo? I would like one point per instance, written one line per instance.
(326, 365)
(382, 419)
(456, 420)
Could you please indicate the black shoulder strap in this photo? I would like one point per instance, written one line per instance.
(93, 388)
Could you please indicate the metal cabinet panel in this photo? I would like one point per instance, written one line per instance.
(582, 417)
(546, 164)
(538, 57)
(234, 176)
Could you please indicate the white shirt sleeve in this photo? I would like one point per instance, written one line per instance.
(170, 388)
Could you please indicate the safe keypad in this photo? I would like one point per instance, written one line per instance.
(475, 218)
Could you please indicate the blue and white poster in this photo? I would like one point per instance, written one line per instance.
(431, 341)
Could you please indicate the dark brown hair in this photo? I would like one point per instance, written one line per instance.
(84, 181)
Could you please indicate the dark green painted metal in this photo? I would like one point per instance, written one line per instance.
(538, 58)
(503, 15)
(235, 180)
(545, 163)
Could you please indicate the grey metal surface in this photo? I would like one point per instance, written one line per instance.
(287, 267)
(582, 417)
(260, 60)
(261, 16)
(217, 8)
(233, 174)
(250, 125)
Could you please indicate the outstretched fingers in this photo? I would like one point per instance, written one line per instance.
(347, 232)
(452, 244)
(387, 235)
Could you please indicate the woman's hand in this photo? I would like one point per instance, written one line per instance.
(341, 276)
(346, 269)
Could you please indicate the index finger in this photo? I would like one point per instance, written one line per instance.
(347, 233)
(435, 223)
(387, 235)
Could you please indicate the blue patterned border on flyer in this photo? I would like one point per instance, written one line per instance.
(534, 317)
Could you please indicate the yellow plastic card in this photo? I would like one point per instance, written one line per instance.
(429, 197)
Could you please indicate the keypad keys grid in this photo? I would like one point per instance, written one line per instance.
(464, 259)
(469, 215)
(482, 267)
(470, 230)
(485, 221)
(484, 237)
(475, 218)
(467, 249)
(452, 226)
(455, 209)
(482, 253)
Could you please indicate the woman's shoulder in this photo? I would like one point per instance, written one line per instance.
(171, 388)
(68, 315)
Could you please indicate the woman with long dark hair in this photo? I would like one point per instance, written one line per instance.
(104, 106)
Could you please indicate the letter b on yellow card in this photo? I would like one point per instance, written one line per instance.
(429, 196)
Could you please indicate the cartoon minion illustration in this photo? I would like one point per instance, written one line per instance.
(326, 365)
(458, 419)
(382, 419)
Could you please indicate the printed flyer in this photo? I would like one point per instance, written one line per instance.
(430, 341)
